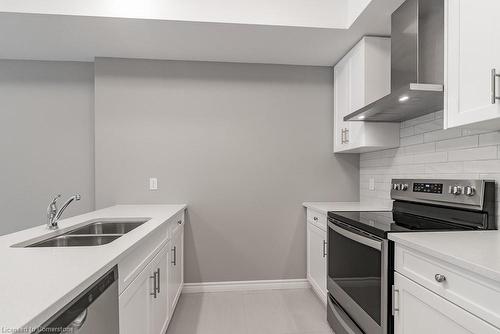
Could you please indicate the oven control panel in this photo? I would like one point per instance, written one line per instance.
(459, 192)
(431, 188)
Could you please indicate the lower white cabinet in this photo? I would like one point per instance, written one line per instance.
(144, 303)
(418, 310)
(176, 263)
(147, 303)
(316, 259)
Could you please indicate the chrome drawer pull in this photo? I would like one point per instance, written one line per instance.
(315, 218)
(440, 278)
(494, 77)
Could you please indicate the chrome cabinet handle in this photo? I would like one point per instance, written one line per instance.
(395, 300)
(174, 261)
(494, 77)
(154, 285)
(324, 248)
(158, 278)
(440, 278)
(347, 136)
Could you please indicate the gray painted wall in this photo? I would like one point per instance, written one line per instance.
(46, 136)
(242, 144)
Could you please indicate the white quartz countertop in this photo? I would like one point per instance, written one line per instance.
(477, 251)
(324, 207)
(37, 282)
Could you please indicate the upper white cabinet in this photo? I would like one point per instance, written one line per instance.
(362, 76)
(472, 52)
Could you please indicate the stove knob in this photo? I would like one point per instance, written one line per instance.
(470, 191)
(456, 190)
(404, 187)
(396, 186)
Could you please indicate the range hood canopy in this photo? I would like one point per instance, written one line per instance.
(417, 65)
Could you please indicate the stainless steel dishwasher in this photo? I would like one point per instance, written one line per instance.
(94, 311)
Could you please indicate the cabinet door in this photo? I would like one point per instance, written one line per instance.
(472, 30)
(341, 104)
(159, 309)
(135, 304)
(422, 311)
(316, 260)
(176, 269)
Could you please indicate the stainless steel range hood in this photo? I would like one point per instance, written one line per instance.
(417, 65)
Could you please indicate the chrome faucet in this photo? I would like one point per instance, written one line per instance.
(53, 214)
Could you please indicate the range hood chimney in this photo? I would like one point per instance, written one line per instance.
(417, 65)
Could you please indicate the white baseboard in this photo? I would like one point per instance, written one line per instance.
(246, 285)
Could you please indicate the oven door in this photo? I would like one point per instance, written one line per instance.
(357, 277)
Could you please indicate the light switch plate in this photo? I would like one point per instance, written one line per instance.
(153, 183)
(371, 185)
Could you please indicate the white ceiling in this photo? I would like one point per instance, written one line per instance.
(71, 35)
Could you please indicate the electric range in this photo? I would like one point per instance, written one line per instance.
(360, 256)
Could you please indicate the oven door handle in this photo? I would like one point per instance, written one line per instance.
(357, 237)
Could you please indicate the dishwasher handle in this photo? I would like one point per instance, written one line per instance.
(78, 322)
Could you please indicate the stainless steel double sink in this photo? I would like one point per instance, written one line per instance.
(94, 233)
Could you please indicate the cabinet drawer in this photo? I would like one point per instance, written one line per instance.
(474, 293)
(317, 218)
(174, 224)
(130, 267)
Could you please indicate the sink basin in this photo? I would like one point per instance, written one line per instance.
(94, 233)
(107, 227)
(76, 240)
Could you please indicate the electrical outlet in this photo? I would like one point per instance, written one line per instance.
(153, 183)
(371, 185)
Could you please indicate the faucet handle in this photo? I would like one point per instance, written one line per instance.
(55, 199)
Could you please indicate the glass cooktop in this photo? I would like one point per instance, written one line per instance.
(380, 223)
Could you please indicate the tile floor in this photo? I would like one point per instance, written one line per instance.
(296, 311)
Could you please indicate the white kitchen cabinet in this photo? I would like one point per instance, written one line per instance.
(176, 266)
(362, 76)
(160, 311)
(144, 303)
(153, 280)
(316, 259)
(418, 310)
(472, 52)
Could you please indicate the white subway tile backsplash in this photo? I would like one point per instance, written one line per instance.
(431, 157)
(419, 120)
(429, 126)
(422, 148)
(437, 135)
(428, 151)
(379, 154)
(445, 168)
(405, 132)
(478, 153)
(457, 143)
(411, 140)
(482, 166)
(492, 138)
